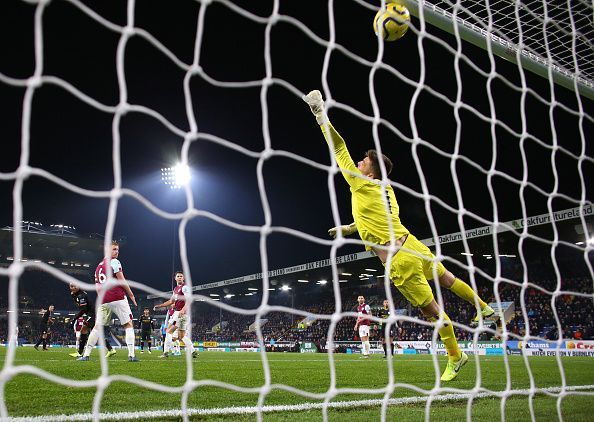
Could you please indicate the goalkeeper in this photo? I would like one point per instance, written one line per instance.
(408, 271)
(447, 280)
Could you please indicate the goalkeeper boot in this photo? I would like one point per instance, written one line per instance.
(83, 359)
(453, 368)
(486, 312)
(75, 355)
(133, 359)
(110, 353)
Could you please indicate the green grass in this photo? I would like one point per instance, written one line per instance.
(29, 395)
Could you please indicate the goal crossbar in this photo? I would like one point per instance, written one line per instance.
(504, 48)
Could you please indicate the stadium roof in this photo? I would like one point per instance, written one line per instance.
(70, 252)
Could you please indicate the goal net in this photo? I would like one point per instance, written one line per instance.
(551, 39)
(492, 170)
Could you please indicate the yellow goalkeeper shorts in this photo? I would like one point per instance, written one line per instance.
(409, 272)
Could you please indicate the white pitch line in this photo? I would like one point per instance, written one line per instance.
(248, 410)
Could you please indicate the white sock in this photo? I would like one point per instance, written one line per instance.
(130, 341)
(91, 342)
(188, 343)
(168, 342)
(367, 346)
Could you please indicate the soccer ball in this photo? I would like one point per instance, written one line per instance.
(391, 24)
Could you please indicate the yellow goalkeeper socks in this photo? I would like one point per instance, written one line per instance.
(446, 333)
(464, 291)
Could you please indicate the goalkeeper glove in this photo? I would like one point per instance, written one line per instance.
(345, 230)
(316, 104)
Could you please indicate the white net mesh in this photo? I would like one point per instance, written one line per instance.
(553, 34)
(482, 101)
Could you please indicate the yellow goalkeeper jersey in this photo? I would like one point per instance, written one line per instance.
(368, 207)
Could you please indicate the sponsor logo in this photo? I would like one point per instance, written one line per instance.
(536, 345)
(589, 345)
(495, 345)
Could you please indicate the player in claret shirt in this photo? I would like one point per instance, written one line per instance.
(114, 301)
(179, 319)
(363, 324)
(146, 325)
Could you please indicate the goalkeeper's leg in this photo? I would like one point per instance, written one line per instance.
(464, 291)
(408, 275)
(456, 358)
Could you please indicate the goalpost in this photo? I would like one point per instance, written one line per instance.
(554, 41)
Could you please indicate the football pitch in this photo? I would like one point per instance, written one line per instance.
(28, 396)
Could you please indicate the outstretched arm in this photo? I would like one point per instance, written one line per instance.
(345, 230)
(164, 304)
(350, 171)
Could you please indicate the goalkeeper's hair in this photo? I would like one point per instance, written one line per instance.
(375, 165)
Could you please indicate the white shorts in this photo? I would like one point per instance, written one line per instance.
(121, 309)
(179, 321)
(363, 330)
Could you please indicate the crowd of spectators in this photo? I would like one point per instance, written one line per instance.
(534, 305)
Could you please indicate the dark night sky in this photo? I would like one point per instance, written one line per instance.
(74, 140)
